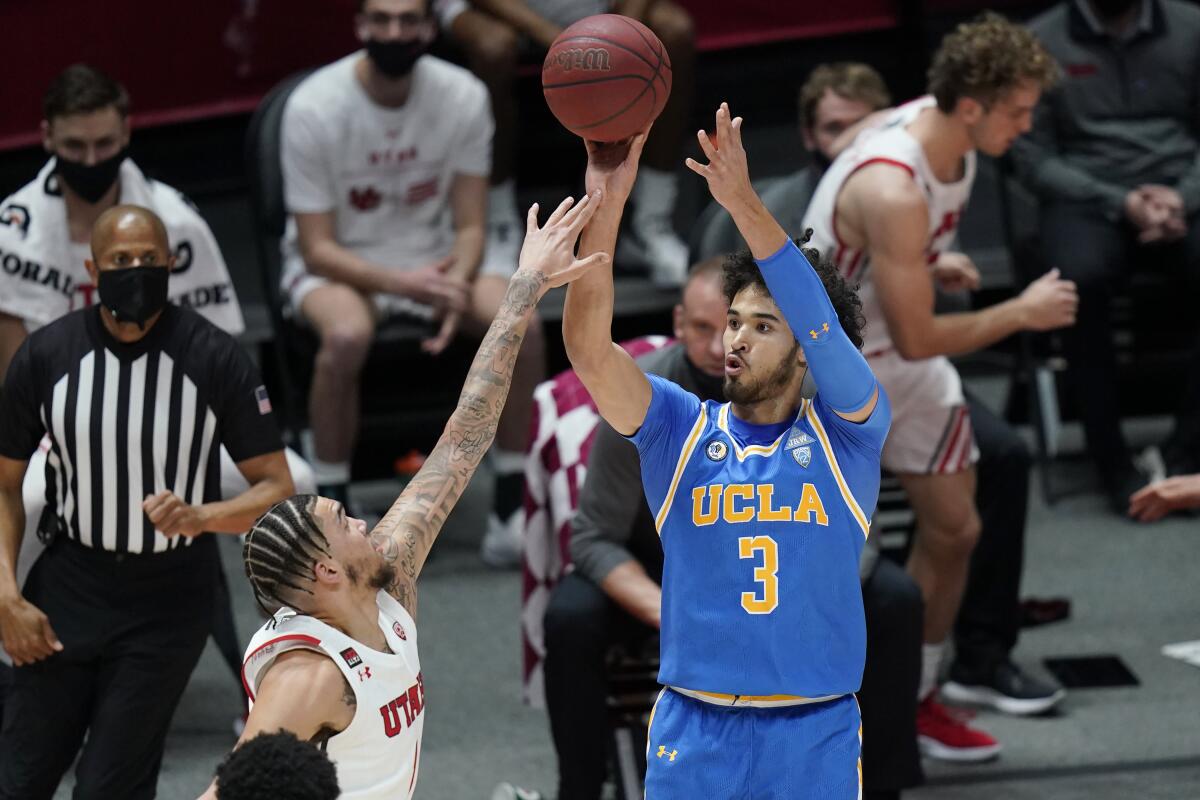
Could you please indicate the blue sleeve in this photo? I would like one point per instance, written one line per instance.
(672, 415)
(839, 369)
(858, 446)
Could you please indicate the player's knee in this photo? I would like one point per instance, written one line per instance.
(673, 26)
(963, 535)
(344, 347)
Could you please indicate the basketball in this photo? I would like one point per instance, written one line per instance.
(606, 77)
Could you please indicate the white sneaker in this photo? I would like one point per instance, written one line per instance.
(661, 250)
(502, 546)
(502, 246)
(506, 791)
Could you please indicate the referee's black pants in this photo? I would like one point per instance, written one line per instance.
(132, 629)
(582, 623)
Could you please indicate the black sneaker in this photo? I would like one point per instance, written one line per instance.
(1005, 687)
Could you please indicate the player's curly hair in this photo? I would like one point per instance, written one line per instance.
(281, 549)
(742, 271)
(277, 766)
(985, 58)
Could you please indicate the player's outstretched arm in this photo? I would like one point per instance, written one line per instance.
(407, 531)
(843, 377)
(616, 384)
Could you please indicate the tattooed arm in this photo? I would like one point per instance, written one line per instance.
(407, 531)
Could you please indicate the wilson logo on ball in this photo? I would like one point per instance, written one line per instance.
(589, 59)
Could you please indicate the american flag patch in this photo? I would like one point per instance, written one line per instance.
(264, 402)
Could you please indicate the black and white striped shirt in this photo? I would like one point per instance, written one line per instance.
(126, 421)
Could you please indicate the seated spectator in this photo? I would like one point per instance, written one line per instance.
(386, 154)
(835, 98)
(277, 766)
(1113, 159)
(612, 595)
(495, 33)
(45, 230)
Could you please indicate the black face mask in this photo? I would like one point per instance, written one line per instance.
(134, 294)
(395, 59)
(91, 182)
(1111, 9)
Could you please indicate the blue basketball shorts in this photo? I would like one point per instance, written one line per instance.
(701, 751)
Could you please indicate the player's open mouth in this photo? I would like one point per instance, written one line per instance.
(733, 366)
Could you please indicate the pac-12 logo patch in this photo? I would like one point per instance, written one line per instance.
(351, 656)
(398, 629)
(803, 456)
(716, 450)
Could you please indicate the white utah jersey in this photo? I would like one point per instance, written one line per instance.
(384, 173)
(890, 144)
(378, 754)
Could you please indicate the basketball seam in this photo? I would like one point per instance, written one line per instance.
(624, 108)
(661, 53)
(587, 81)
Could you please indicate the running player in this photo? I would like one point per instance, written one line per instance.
(762, 503)
(338, 662)
(887, 210)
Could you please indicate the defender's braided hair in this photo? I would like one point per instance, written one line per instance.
(282, 548)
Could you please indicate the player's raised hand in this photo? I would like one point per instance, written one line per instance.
(1049, 302)
(548, 252)
(726, 172)
(612, 167)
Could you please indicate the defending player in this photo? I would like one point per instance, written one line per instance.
(763, 504)
(338, 663)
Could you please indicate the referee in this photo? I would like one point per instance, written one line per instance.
(137, 395)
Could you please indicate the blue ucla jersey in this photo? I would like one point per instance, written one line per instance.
(761, 528)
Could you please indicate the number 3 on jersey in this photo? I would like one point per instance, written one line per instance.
(766, 598)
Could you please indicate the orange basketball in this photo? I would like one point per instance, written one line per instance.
(606, 77)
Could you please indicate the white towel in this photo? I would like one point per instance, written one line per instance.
(40, 282)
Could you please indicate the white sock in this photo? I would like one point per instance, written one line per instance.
(325, 473)
(506, 462)
(654, 195)
(931, 662)
(502, 202)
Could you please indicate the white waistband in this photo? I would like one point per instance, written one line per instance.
(756, 701)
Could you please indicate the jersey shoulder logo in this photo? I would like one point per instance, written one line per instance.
(803, 456)
(398, 629)
(716, 450)
(351, 656)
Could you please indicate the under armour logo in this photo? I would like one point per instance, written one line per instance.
(363, 674)
(662, 751)
(824, 329)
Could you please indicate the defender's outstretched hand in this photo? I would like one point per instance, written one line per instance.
(727, 173)
(548, 253)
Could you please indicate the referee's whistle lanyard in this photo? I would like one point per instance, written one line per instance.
(134, 294)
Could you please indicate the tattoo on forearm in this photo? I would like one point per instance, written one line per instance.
(407, 531)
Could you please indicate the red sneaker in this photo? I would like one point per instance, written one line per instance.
(945, 735)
